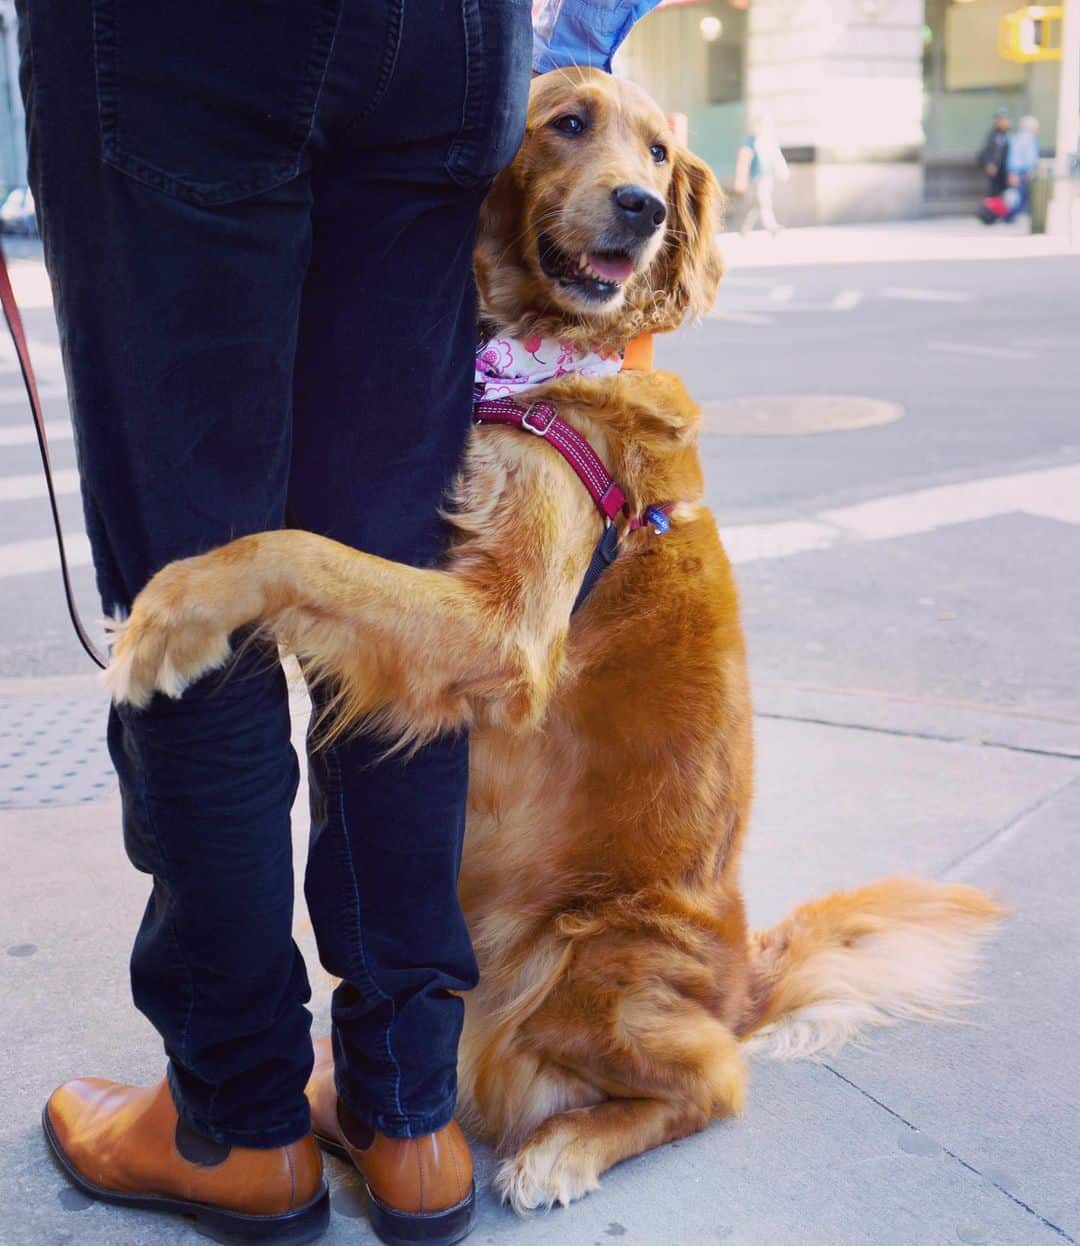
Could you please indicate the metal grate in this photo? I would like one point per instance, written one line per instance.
(53, 753)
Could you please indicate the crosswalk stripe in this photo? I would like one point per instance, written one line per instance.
(910, 294)
(32, 485)
(759, 299)
(738, 317)
(17, 393)
(25, 435)
(30, 557)
(45, 353)
(986, 352)
(1051, 493)
(845, 300)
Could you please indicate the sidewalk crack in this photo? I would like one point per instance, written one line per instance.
(1025, 813)
(918, 735)
(953, 1156)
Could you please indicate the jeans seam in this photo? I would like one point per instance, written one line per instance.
(468, 102)
(279, 1135)
(319, 89)
(467, 148)
(390, 55)
(383, 997)
(144, 800)
(101, 31)
(267, 175)
(212, 195)
(411, 1126)
(387, 65)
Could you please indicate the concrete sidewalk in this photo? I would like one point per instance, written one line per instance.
(939, 238)
(917, 713)
(934, 1135)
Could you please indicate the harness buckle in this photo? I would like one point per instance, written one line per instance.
(541, 430)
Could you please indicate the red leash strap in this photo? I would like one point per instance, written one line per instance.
(18, 336)
(542, 419)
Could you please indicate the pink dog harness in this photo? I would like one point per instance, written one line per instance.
(496, 403)
(542, 419)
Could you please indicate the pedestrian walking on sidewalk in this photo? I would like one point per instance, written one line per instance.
(258, 224)
(1021, 162)
(994, 153)
(759, 165)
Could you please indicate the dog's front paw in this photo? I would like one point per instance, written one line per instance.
(556, 1165)
(175, 633)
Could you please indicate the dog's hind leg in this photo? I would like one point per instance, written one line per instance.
(665, 1066)
(564, 1157)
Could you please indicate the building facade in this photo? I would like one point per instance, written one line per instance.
(879, 105)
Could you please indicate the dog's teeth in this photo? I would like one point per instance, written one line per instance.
(583, 261)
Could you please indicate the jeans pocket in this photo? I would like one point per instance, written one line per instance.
(498, 57)
(209, 100)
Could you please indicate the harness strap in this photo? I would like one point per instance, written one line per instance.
(18, 336)
(605, 553)
(542, 419)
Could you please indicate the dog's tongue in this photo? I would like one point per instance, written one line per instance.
(613, 268)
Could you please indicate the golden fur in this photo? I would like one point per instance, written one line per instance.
(611, 755)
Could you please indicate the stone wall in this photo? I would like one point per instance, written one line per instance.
(842, 81)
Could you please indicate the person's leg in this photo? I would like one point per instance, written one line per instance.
(765, 201)
(1023, 204)
(383, 405)
(750, 215)
(177, 233)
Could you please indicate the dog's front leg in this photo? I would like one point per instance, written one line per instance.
(417, 646)
(565, 1156)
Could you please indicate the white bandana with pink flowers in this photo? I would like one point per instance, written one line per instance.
(506, 366)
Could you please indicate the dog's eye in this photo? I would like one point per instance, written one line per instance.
(570, 124)
(658, 152)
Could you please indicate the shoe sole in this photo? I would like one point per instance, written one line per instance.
(233, 1228)
(397, 1228)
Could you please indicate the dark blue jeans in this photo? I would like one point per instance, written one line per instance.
(258, 222)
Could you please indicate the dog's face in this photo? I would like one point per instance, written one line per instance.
(603, 224)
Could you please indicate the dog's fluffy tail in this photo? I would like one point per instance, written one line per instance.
(895, 950)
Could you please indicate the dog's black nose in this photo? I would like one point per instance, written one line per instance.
(643, 211)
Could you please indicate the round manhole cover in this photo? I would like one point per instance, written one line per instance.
(794, 415)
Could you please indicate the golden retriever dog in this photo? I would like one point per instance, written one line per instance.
(611, 746)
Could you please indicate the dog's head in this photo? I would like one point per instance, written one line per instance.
(604, 225)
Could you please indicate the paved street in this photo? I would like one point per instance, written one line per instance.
(893, 450)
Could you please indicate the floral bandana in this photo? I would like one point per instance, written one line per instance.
(506, 366)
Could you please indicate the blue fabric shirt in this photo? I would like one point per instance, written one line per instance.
(1023, 152)
(583, 32)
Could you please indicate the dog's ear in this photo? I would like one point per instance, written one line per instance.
(689, 268)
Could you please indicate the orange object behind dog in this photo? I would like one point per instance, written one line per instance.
(639, 354)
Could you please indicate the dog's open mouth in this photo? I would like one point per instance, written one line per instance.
(597, 275)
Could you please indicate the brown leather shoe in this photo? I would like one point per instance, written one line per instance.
(127, 1145)
(420, 1190)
